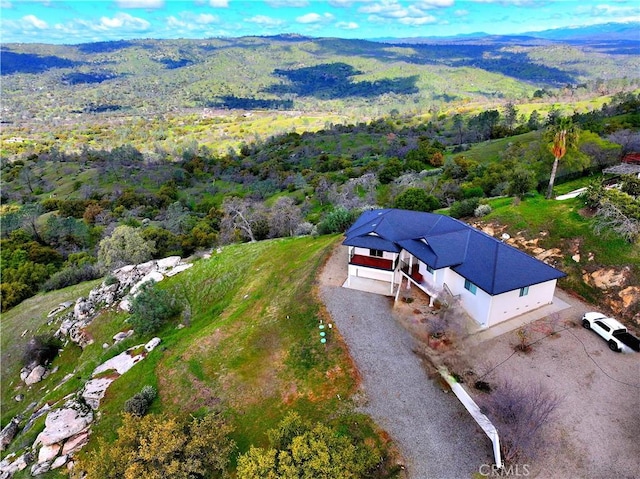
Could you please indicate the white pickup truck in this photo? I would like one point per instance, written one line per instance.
(611, 330)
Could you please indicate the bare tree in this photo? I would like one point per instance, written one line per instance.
(520, 413)
(285, 217)
(243, 219)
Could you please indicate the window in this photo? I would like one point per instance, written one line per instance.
(376, 252)
(524, 291)
(429, 269)
(470, 286)
(603, 326)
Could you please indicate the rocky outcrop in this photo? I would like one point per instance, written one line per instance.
(66, 430)
(10, 464)
(63, 423)
(9, 432)
(117, 289)
(619, 293)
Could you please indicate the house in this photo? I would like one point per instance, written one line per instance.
(444, 256)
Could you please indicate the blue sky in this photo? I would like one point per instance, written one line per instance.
(57, 21)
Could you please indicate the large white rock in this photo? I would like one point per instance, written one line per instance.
(152, 276)
(168, 262)
(35, 375)
(121, 363)
(59, 462)
(151, 345)
(179, 269)
(47, 453)
(40, 468)
(75, 443)
(63, 423)
(94, 391)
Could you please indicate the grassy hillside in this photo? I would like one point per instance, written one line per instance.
(252, 346)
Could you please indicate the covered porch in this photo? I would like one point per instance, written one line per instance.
(409, 270)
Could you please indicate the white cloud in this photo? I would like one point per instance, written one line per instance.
(418, 20)
(5, 4)
(264, 20)
(191, 21)
(140, 3)
(383, 8)
(347, 25)
(219, 3)
(124, 21)
(287, 3)
(314, 18)
(33, 21)
(434, 3)
(461, 13)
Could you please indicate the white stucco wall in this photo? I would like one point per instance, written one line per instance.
(372, 273)
(511, 304)
(488, 310)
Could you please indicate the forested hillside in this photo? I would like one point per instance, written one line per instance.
(146, 77)
(192, 144)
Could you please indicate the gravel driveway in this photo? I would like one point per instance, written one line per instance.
(596, 432)
(433, 431)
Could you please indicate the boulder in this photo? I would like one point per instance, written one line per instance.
(122, 335)
(630, 296)
(151, 276)
(608, 278)
(95, 389)
(40, 468)
(179, 269)
(75, 443)
(168, 262)
(8, 466)
(47, 453)
(35, 375)
(59, 462)
(151, 345)
(121, 363)
(64, 423)
(9, 432)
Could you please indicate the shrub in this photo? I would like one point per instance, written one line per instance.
(151, 308)
(482, 210)
(337, 221)
(473, 192)
(299, 449)
(41, 350)
(137, 405)
(70, 276)
(464, 208)
(416, 199)
(159, 446)
(520, 413)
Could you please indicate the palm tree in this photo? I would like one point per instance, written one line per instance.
(562, 135)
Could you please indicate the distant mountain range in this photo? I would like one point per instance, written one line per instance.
(627, 33)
